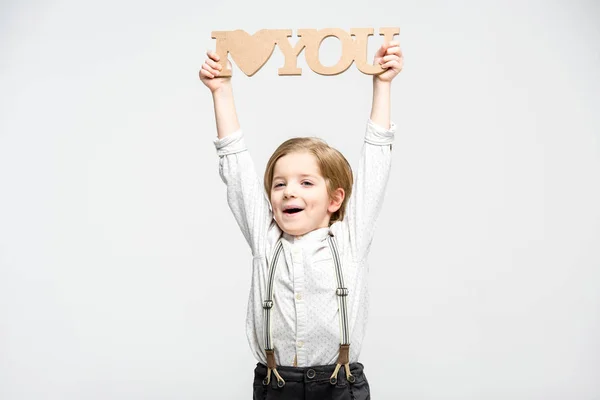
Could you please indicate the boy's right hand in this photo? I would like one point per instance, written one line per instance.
(209, 73)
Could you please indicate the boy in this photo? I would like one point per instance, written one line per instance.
(307, 235)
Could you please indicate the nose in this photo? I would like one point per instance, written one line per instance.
(288, 191)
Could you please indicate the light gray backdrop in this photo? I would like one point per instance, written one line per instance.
(123, 274)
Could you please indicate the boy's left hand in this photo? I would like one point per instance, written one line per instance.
(389, 56)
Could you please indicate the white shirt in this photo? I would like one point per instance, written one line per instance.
(304, 318)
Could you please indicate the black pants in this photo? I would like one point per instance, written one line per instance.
(311, 383)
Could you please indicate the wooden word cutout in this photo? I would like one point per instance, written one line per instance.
(251, 52)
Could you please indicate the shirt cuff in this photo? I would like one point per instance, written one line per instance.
(378, 135)
(230, 144)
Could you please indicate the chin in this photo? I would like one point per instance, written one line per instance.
(295, 232)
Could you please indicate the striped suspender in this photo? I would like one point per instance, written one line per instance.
(342, 294)
(341, 291)
(268, 304)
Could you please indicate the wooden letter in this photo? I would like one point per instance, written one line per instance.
(313, 40)
(291, 54)
(361, 44)
(250, 53)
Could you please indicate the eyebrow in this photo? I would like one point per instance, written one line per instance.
(301, 176)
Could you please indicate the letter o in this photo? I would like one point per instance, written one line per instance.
(313, 42)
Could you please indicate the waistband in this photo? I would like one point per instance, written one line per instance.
(306, 374)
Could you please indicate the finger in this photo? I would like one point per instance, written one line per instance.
(210, 70)
(381, 51)
(213, 55)
(206, 74)
(391, 64)
(394, 50)
(389, 58)
(388, 45)
(214, 65)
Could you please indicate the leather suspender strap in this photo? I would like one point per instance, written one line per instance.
(342, 294)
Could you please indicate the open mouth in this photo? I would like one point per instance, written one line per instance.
(292, 211)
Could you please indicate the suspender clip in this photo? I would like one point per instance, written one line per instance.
(272, 367)
(267, 304)
(343, 360)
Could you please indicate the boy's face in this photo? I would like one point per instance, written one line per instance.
(298, 185)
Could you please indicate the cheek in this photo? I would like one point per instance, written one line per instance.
(318, 202)
(274, 202)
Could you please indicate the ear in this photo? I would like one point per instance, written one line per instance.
(335, 202)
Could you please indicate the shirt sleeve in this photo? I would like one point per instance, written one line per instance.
(369, 187)
(245, 193)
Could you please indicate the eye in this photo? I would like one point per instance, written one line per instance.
(277, 185)
(308, 183)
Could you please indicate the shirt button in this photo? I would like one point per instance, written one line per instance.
(298, 296)
(300, 343)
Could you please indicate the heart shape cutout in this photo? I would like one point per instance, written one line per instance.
(250, 52)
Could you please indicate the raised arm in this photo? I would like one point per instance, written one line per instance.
(390, 57)
(222, 92)
(375, 162)
(245, 193)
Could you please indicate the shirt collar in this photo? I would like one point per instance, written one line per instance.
(318, 235)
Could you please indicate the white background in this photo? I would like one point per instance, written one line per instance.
(123, 274)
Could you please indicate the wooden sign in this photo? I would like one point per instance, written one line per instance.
(251, 52)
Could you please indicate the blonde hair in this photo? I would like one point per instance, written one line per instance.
(333, 166)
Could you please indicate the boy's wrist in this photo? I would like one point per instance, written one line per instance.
(381, 90)
(223, 88)
(379, 83)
